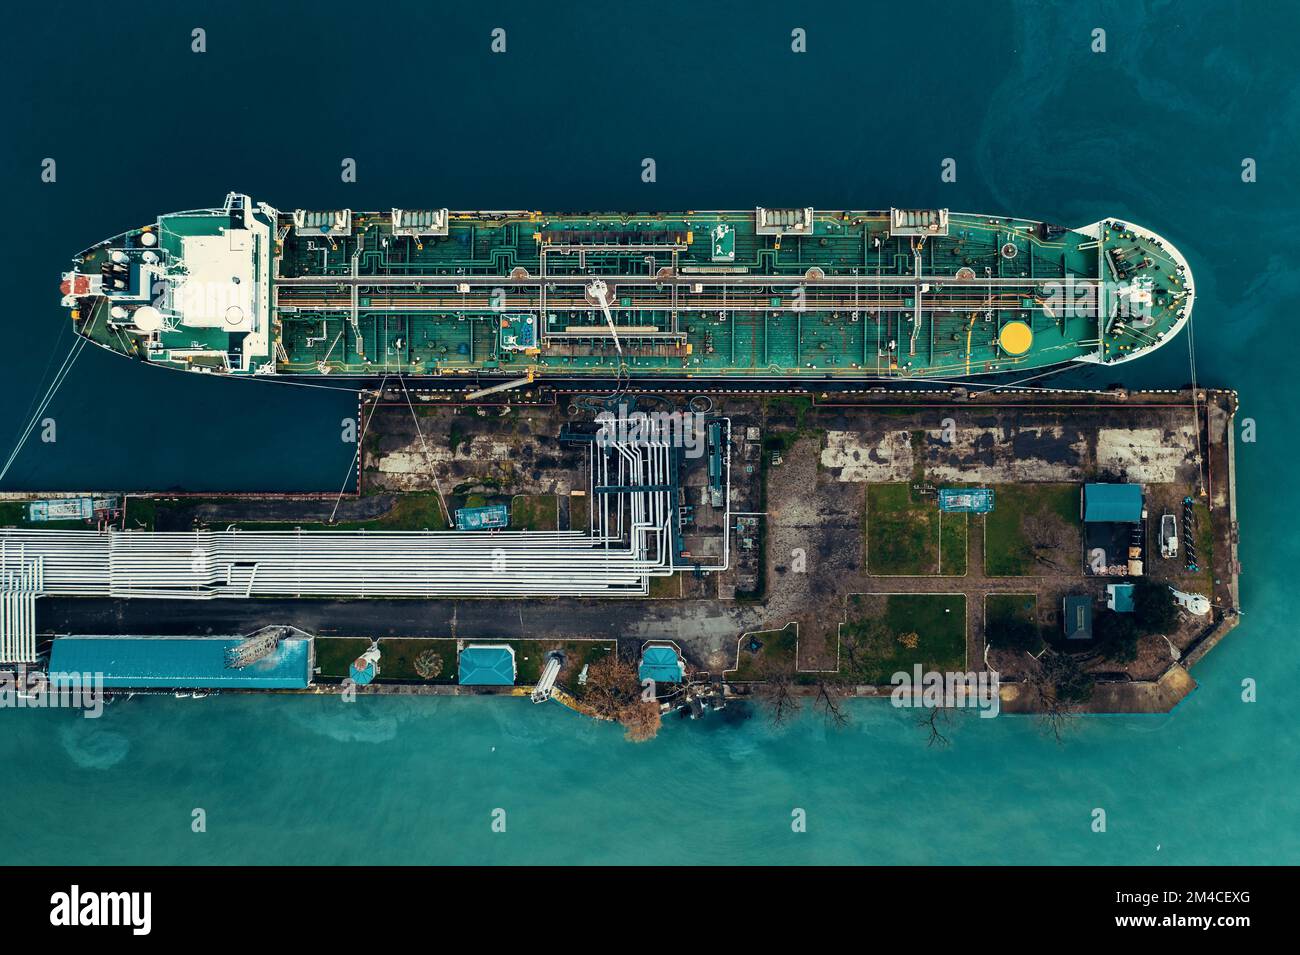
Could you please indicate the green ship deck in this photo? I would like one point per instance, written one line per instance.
(773, 294)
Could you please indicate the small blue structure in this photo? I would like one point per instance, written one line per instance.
(969, 500)
(1112, 503)
(1119, 597)
(487, 664)
(482, 518)
(69, 508)
(661, 663)
(362, 675)
(195, 663)
(365, 668)
(518, 332)
(1076, 616)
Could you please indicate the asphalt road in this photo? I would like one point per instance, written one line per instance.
(702, 625)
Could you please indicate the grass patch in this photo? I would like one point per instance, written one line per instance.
(666, 587)
(529, 655)
(334, 655)
(14, 514)
(906, 536)
(1008, 551)
(953, 530)
(886, 633)
(412, 511)
(140, 512)
(398, 659)
(902, 537)
(796, 406)
(579, 512)
(534, 512)
(779, 647)
(1008, 611)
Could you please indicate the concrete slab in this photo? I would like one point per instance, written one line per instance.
(857, 456)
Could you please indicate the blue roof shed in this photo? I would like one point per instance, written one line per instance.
(1077, 617)
(662, 664)
(1119, 597)
(1112, 503)
(487, 664)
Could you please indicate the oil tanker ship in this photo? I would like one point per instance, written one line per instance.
(771, 294)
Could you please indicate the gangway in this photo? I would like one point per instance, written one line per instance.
(550, 673)
(255, 647)
(503, 386)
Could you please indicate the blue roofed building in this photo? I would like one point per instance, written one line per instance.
(194, 663)
(487, 664)
(1119, 597)
(1112, 503)
(1113, 526)
(661, 663)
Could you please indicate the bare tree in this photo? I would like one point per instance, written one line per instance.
(1046, 535)
(830, 700)
(850, 647)
(612, 685)
(936, 720)
(859, 639)
(614, 693)
(641, 720)
(776, 691)
(1060, 686)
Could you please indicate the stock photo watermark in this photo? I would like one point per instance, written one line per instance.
(35, 689)
(927, 689)
(678, 429)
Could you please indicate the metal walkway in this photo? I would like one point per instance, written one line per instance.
(21, 582)
(630, 540)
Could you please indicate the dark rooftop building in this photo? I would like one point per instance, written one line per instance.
(1076, 617)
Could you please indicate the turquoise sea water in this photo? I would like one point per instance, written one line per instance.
(1155, 129)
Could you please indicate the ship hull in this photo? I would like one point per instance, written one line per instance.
(769, 296)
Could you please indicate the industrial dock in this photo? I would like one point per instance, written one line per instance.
(720, 543)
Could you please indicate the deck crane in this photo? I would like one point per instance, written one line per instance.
(598, 292)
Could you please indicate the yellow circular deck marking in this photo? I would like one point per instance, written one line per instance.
(1015, 338)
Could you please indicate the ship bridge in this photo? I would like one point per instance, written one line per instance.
(192, 290)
